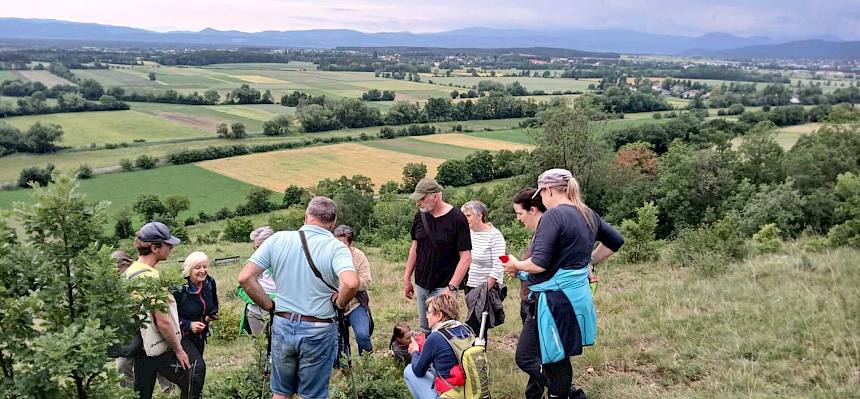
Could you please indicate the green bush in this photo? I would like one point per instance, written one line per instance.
(238, 230)
(396, 250)
(708, 248)
(126, 165)
(244, 382)
(289, 219)
(226, 328)
(847, 234)
(640, 242)
(375, 376)
(145, 162)
(211, 237)
(767, 238)
(84, 172)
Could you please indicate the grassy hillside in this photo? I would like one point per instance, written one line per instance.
(772, 326)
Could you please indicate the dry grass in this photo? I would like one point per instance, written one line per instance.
(307, 166)
(464, 140)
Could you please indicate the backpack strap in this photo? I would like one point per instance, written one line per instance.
(135, 274)
(311, 261)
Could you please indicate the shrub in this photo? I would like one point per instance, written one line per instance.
(390, 187)
(767, 238)
(640, 243)
(211, 237)
(708, 248)
(222, 214)
(454, 172)
(374, 376)
(395, 250)
(84, 172)
(238, 230)
(243, 382)
(36, 175)
(126, 165)
(290, 219)
(145, 162)
(229, 318)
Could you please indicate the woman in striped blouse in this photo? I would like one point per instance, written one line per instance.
(487, 245)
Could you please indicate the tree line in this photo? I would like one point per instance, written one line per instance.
(352, 113)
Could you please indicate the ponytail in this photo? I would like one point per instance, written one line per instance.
(575, 196)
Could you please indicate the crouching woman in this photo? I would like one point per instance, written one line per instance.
(445, 379)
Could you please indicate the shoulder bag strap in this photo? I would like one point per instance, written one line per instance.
(427, 230)
(311, 261)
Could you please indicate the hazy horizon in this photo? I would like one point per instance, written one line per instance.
(789, 20)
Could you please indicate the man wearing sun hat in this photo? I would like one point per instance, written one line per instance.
(441, 248)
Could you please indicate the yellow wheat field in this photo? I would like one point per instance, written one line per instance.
(464, 140)
(260, 79)
(305, 167)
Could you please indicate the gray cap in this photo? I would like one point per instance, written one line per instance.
(156, 232)
(425, 186)
(552, 178)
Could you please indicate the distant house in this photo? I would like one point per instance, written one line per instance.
(794, 100)
(537, 62)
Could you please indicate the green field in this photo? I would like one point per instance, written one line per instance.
(207, 191)
(83, 128)
(278, 78)
(513, 135)
(547, 85)
(412, 146)
(7, 75)
(68, 161)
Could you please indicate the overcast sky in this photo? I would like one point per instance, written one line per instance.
(775, 18)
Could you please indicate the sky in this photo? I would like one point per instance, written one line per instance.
(775, 18)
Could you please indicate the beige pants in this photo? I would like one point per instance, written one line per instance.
(125, 366)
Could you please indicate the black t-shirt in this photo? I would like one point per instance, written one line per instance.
(434, 267)
(563, 240)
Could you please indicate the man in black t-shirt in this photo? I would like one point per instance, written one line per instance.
(441, 248)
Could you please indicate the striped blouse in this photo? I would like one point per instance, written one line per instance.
(487, 246)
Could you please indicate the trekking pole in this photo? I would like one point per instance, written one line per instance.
(347, 350)
(482, 339)
(268, 354)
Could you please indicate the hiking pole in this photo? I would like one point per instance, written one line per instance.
(347, 350)
(268, 354)
(482, 339)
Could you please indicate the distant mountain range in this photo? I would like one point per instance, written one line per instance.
(617, 41)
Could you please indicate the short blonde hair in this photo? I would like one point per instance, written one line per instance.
(193, 259)
(446, 305)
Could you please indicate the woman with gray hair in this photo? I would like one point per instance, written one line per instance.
(253, 320)
(486, 273)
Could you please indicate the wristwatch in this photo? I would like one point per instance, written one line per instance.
(452, 287)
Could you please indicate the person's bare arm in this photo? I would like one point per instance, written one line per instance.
(248, 280)
(348, 288)
(462, 268)
(408, 288)
(513, 266)
(600, 254)
(165, 327)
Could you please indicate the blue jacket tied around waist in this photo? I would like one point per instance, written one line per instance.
(566, 317)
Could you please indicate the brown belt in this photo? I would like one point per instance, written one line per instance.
(288, 315)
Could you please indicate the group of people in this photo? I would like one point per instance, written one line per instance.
(310, 279)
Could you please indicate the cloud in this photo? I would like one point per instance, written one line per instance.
(782, 19)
